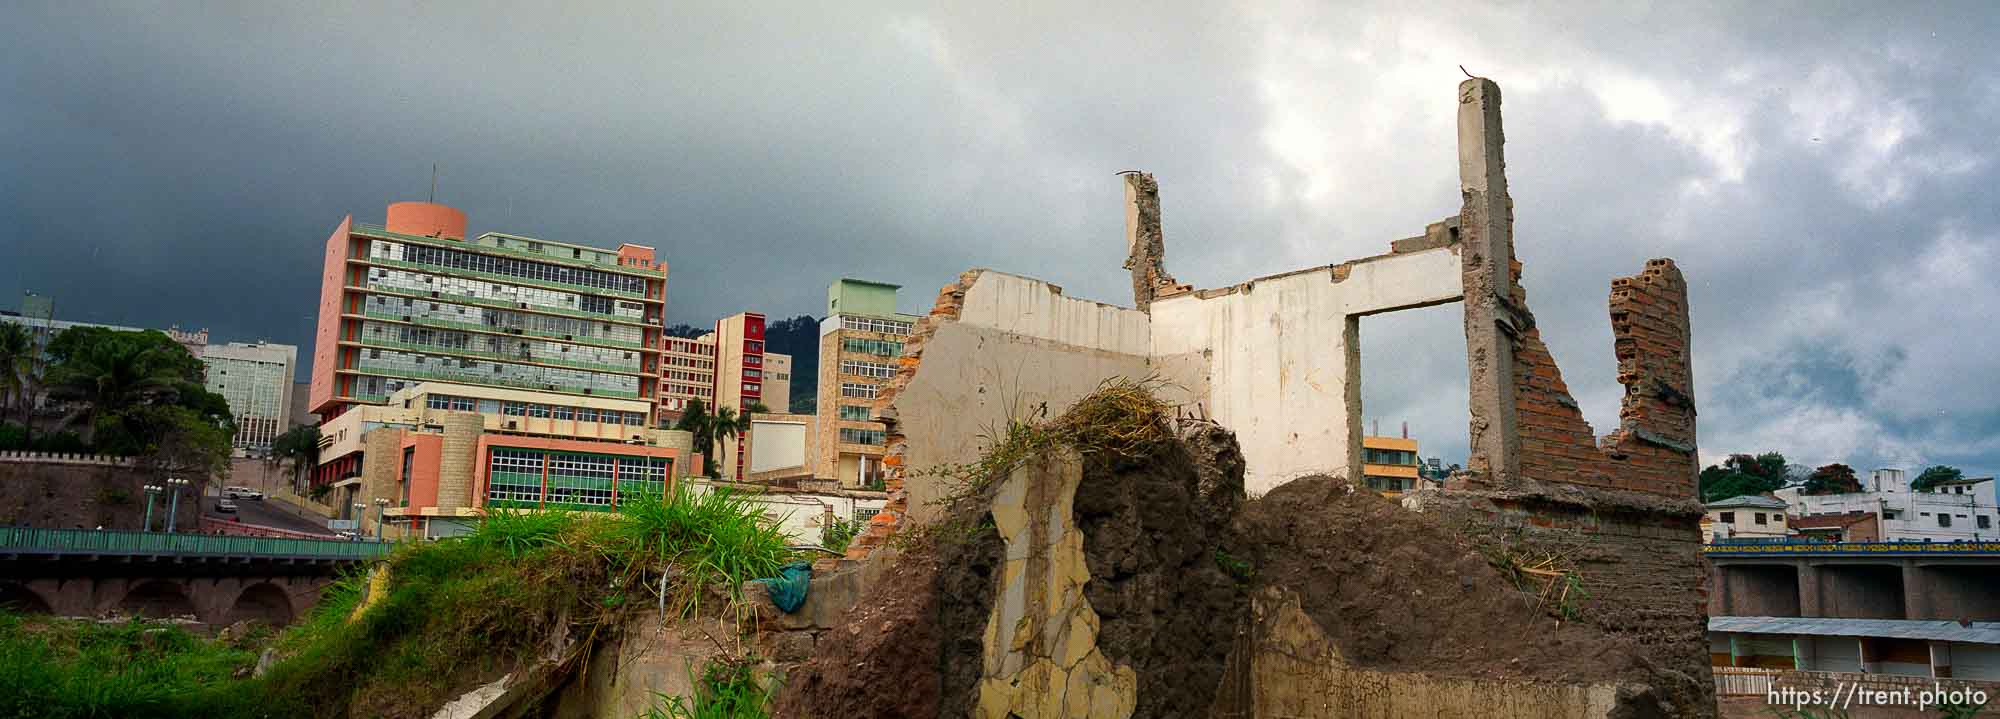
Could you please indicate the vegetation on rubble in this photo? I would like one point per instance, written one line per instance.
(453, 614)
(727, 689)
(59, 668)
(838, 533)
(1121, 417)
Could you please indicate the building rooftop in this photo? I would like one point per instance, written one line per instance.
(1750, 501)
(1936, 629)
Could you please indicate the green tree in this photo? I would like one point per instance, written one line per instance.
(695, 420)
(1743, 474)
(297, 450)
(140, 393)
(17, 357)
(101, 372)
(1833, 479)
(1934, 475)
(725, 425)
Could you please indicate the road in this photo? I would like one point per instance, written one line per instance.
(266, 513)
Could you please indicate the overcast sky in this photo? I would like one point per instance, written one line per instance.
(1824, 174)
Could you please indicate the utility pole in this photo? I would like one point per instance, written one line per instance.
(379, 504)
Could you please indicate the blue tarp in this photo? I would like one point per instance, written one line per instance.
(788, 589)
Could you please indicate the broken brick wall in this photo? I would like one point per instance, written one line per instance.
(1638, 565)
(1653, 449)
(950, 302)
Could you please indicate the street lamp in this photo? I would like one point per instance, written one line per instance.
(152, 491)
(360, 513)
(379, 504)
(174, 486)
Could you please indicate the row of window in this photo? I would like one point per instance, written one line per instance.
(517, 477)
(856, 389)
(877, 370)
(498, 320)
(885, 348)
(692, 390)
(425, 283)
(871, 324)
(856, 413)
(523, 409)
(527, 269)
(679, 361)
(688, 376)
(420, 366)
(529, 350)
(1388, 456)
(860, 436)
(578, 414)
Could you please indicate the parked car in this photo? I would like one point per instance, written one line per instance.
(227, 506)
(242, 493)
(347, 535)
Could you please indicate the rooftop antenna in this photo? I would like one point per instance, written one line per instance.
(434, 183)
(1406, 429)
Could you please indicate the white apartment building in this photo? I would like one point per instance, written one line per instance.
(256, 379)
(1964, 510)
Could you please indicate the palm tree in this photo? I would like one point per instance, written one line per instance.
(17, 357)
(695, 420)
(726, 424)
(297, 450)
(109, 374)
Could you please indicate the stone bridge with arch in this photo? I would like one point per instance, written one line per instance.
(216, 580)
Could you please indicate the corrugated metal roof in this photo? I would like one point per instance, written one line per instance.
(1747, 500)
(1942, 630)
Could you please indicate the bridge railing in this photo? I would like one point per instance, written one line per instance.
(90, 541)
(1762, 546)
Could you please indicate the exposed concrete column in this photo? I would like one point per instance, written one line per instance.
(1492, 324)
(1916, 601)
(456, 460)
(1145, 243)
(1809, 591)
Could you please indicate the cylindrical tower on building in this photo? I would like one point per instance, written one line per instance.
(426, 219)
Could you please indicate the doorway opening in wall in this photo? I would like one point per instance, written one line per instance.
(1413, 397)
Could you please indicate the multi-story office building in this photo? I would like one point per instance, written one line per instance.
(859, 343)
(1389, 465)
(414, 301)
(256, 378)
(725, 368)
(437, 454)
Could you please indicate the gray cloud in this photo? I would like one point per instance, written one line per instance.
(1820, 172)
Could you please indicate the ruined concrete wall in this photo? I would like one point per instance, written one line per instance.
(1145, 243)
(1015, 350)
(1000, 348)
(1277, 359)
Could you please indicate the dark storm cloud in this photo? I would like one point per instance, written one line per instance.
(1821, 173)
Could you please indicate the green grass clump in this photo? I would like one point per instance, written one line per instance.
(455, 613)
(61, 668)
(726, 690)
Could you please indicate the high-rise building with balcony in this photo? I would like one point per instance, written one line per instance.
(859, 343)
(415, 301)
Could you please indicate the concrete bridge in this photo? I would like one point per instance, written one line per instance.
(216, 579)
(1855, 580)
